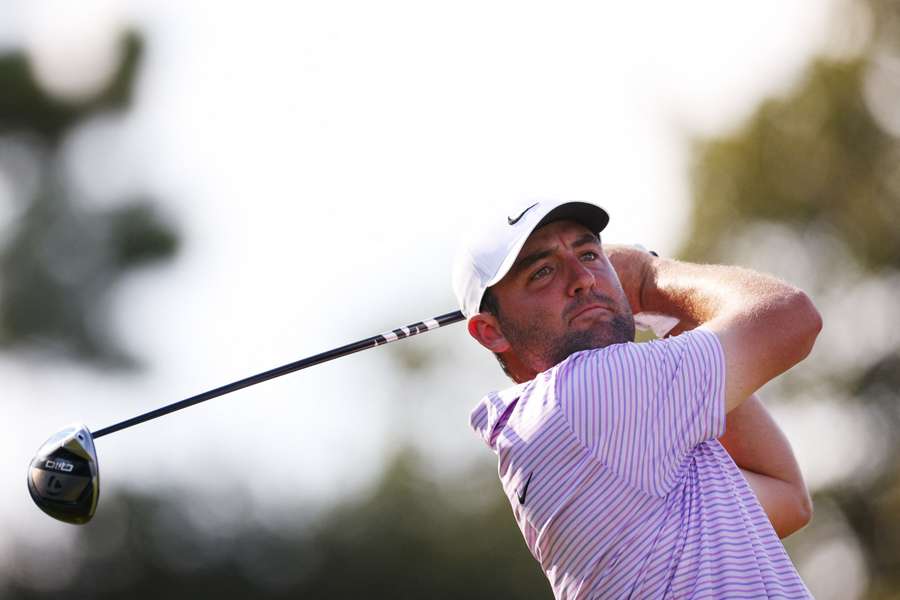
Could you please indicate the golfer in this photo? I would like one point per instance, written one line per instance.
(636, 470)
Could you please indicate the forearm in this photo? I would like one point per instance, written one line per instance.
(762, 451)
(698, 294)
(693, 293)
(765, 326)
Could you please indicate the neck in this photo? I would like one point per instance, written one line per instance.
(518, 370)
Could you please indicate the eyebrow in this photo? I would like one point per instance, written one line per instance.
(528, 260)
(588, 238)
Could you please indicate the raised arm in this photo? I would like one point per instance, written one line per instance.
(765, 325)
(764, 455)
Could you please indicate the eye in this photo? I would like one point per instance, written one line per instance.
(540, 273)
(589, 256)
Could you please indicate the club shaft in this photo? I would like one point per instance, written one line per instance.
(372, 342)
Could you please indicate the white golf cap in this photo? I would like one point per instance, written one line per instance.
(490, 250)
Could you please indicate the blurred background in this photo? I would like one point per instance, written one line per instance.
(194, 192)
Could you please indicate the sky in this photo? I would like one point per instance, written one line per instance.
(321, 161)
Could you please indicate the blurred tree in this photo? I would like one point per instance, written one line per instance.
(814, 160)
(818, 172)
(411, 538)
(818, 166)
(59, 260)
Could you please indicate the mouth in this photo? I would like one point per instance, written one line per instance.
(591, 310)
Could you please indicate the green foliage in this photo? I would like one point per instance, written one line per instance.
(815, 159)
(60, 261)
(138, 235)
(25, 107)
(411, 538)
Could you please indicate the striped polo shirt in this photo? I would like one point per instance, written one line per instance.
(618, 484)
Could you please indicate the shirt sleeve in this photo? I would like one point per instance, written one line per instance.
(642, 408)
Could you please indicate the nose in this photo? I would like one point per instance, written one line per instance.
(581, 278)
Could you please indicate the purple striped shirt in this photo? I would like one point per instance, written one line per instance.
(619, 486)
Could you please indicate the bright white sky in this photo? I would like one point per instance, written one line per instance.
(320, 159)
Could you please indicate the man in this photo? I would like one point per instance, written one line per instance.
(608, 449)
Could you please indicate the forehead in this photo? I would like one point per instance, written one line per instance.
(550, 233)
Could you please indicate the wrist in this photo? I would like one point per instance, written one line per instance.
(646, 280)
(633, 266)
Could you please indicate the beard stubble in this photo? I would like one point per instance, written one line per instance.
(533, 337)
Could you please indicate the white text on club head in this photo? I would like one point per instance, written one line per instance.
(59, 465)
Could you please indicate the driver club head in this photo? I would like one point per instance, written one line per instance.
(63, 477)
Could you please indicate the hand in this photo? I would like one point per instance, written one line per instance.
(633, 266)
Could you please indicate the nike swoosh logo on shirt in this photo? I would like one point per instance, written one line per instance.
(524, 491)
(512, 221)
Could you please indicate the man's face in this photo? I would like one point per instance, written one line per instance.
(561, 296)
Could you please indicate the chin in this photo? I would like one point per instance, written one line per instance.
(620, 330)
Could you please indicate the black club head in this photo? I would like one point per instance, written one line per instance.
(63, 477)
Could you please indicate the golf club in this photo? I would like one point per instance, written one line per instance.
(63, 478)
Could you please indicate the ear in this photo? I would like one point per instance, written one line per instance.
(485, 328)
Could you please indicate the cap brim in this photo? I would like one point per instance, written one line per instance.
(590, 215)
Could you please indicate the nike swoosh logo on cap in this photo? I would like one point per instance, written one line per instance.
(512, 221)
(524, 491)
